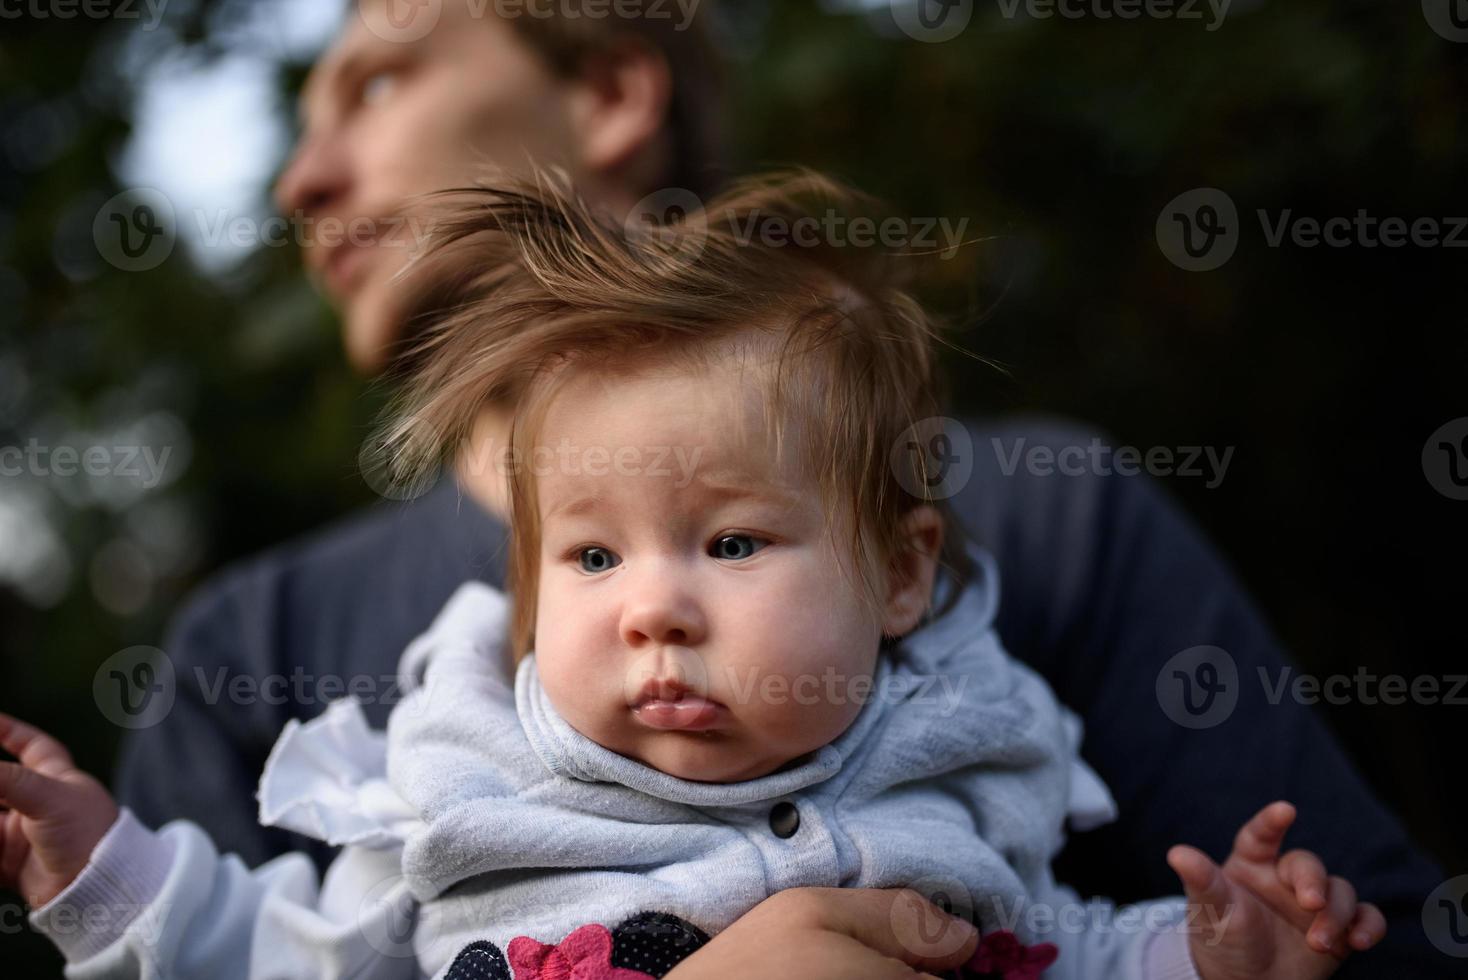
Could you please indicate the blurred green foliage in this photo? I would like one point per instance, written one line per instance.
(1060, 140)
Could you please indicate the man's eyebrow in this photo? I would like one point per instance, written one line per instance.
(330, 74)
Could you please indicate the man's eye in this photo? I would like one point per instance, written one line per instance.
(378, 86)
(597, 560)
(736, 546)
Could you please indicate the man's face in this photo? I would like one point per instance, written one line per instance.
(387, 120)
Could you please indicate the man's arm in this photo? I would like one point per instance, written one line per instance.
(1104, 580)
(203, 760)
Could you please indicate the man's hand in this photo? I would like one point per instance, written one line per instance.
(1282, 917)
(51, 814)
(835, 934)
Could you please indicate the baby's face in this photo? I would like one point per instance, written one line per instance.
(693, 613)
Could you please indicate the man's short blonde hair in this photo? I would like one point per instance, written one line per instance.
(537, 286)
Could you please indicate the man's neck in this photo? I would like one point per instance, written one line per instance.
(481, 468)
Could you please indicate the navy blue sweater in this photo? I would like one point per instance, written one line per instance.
(1103, 580)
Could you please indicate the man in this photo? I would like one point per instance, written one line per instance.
(1104, 581)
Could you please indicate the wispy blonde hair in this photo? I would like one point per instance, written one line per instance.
(533, 283)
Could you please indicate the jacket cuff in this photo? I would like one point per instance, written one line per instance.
(1168, 957)
(122, 878)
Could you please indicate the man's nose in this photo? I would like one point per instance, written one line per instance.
(317, 177)
(662, 611)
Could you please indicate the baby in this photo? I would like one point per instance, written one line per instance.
(751, 652)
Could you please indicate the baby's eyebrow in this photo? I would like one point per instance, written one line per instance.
(575, 506)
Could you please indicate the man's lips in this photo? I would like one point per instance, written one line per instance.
(343, 268)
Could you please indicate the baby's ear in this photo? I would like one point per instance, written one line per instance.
(911, 571)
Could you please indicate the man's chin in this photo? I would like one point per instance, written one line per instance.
(371, 331)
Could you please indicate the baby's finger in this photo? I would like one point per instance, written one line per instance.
(28, 791)
(1328, 929)
(1260, 838)
(33, 747)
(1203, 881)
(13, 850)
(1305, 873)
(1369, 927)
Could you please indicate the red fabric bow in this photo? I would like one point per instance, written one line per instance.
(1002, 953)
(586, 954)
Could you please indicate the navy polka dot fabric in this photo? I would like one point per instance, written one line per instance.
(655, 942)
(479, 961)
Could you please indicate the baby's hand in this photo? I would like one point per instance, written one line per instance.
(56, 814)
(1276, 916)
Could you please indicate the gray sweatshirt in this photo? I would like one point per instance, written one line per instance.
(482, 817)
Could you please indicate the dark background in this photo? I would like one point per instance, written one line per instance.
(1326, 368)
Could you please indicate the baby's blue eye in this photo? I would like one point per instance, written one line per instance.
(736, 546)
(597, 560)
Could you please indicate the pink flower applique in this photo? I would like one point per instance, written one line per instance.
(586, 954)
(1003, 954)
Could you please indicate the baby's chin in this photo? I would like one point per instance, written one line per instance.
(705, 757)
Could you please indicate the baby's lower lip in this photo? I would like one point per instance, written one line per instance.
(687, 714)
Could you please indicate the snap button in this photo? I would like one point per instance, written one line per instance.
(784, 820)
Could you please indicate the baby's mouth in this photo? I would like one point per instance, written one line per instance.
(668, 705)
